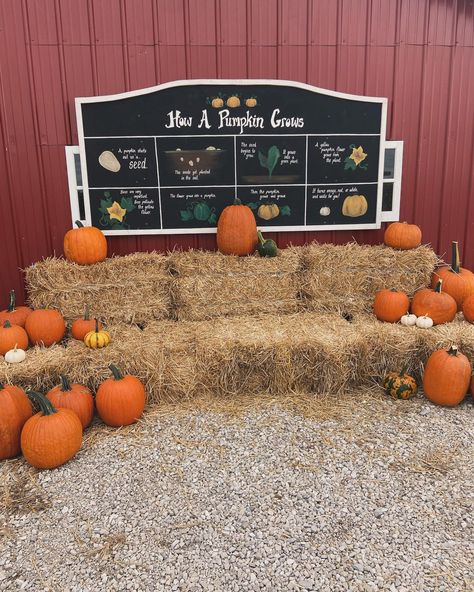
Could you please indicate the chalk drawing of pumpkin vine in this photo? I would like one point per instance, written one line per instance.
(114, 213)
(355, 160)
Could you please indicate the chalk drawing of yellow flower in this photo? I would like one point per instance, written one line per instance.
(358, 155)
(116, 212)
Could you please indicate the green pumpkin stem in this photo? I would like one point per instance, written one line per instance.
(65, 383)
(438, 287)
(45, 405)
(116, 372)
(261, 240)
(237, 202)
(96, 325)
(453, 350)
(7, 324)
(455, 263)
(2, 386)
(11, 304)
(86, 312)
(403, 370)
(79, 224)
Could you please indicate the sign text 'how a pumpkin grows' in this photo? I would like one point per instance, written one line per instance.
(169, 159)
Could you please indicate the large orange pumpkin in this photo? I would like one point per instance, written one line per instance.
(51, 437)
(81, 327)
(85, 245)
(15, 314)
(76, 397)
(458, 282)
(237, 230)
(468, 308)
(400, 235)
(120, 400)
(446, 377)
(390, 305)
(45, 326)
(15, 409)
(436, 304)
(12, 336)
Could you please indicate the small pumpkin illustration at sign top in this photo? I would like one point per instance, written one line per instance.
(355, 206)
(233, 102)
(400, 385)
(217, 103)
(268, 211)
(251, 102)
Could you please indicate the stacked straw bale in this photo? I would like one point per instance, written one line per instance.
(344, 278)
(131, 289)
(209, 285)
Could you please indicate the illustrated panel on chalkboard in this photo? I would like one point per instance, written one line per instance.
(125, 209)
(343, 204)
(121, 162)
(271, 160)
(273, 205)
(343, 159)
(196, 161)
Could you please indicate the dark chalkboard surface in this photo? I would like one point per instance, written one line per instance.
(170, 158)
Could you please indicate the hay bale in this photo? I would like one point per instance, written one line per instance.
(130, 289)
(209, 285)
(344, 278)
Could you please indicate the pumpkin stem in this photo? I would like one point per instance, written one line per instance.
(86, 312)
(79, 224)
(453, 350)
(439, 286)
(116, 372)
(455, 263)
(237, 202)
(7, 324)
(11, 304)
(403, 370)
(96, 325)
(45, 405)
(65, 383)
(2, 386)
(261, 240)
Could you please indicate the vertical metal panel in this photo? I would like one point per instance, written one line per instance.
(418, 53)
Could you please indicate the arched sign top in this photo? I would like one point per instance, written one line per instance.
(168, 159)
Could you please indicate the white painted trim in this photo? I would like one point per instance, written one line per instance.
(394, 214)
(72, 182)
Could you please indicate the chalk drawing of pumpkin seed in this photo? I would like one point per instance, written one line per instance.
(109, 161)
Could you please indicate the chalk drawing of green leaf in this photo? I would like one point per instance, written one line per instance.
(252, 205)
(212, 219)
(285, 211)
(127, 204)
(104, 204)
(186, 215)
(270, 161)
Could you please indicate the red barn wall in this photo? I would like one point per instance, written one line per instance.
(418, 53)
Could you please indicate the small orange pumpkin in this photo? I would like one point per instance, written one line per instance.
(76, 397)
(400, 235)
(45, 327)
(436, 304)
(447, 376)
(458, 282)
(11, 337)
(468, 308)
(81, 327)
(390, 305)
(15, 314)
(15, 409)
(237, 230)
(85, 245)
(120, 400)
(51, 437)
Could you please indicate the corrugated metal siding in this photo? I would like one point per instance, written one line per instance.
(418, 53)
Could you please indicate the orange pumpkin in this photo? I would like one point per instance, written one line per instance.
(45, 327)
(76, 397)
(237, 230)
(458, 282)
(15, 409)
(436, 304)
(51, 437)
(446, 377)
(120, 400)
(81, 327)
(400, 235)
(12, 336)
(85, 245)
(15, 314)
(468, 308)
(390, 305)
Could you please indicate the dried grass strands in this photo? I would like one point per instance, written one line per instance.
(135, 288)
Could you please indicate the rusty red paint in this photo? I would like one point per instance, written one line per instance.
(418, 53)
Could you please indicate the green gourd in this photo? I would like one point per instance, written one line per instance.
(266, 247)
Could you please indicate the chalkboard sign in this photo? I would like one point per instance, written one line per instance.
(168, 159)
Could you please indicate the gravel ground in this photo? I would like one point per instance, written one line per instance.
(361, 493)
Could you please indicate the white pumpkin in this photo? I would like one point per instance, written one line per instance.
(424, 322)
(325, 211)
(409, 320)
(15, 356)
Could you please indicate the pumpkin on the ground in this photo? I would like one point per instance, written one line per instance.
(237, 230)
(403, 236)
(266, 246)
(390, 305)
(80, 327)
(468, 308)
(12, 336)
(17, 315)
(51, 437)
(436, 304)
(45, 327)
(76, 397)
(400, 385)
(85, 245)
(458, 282)
(15, 409)
(97, 338)
(120, 400)
(446, 377)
